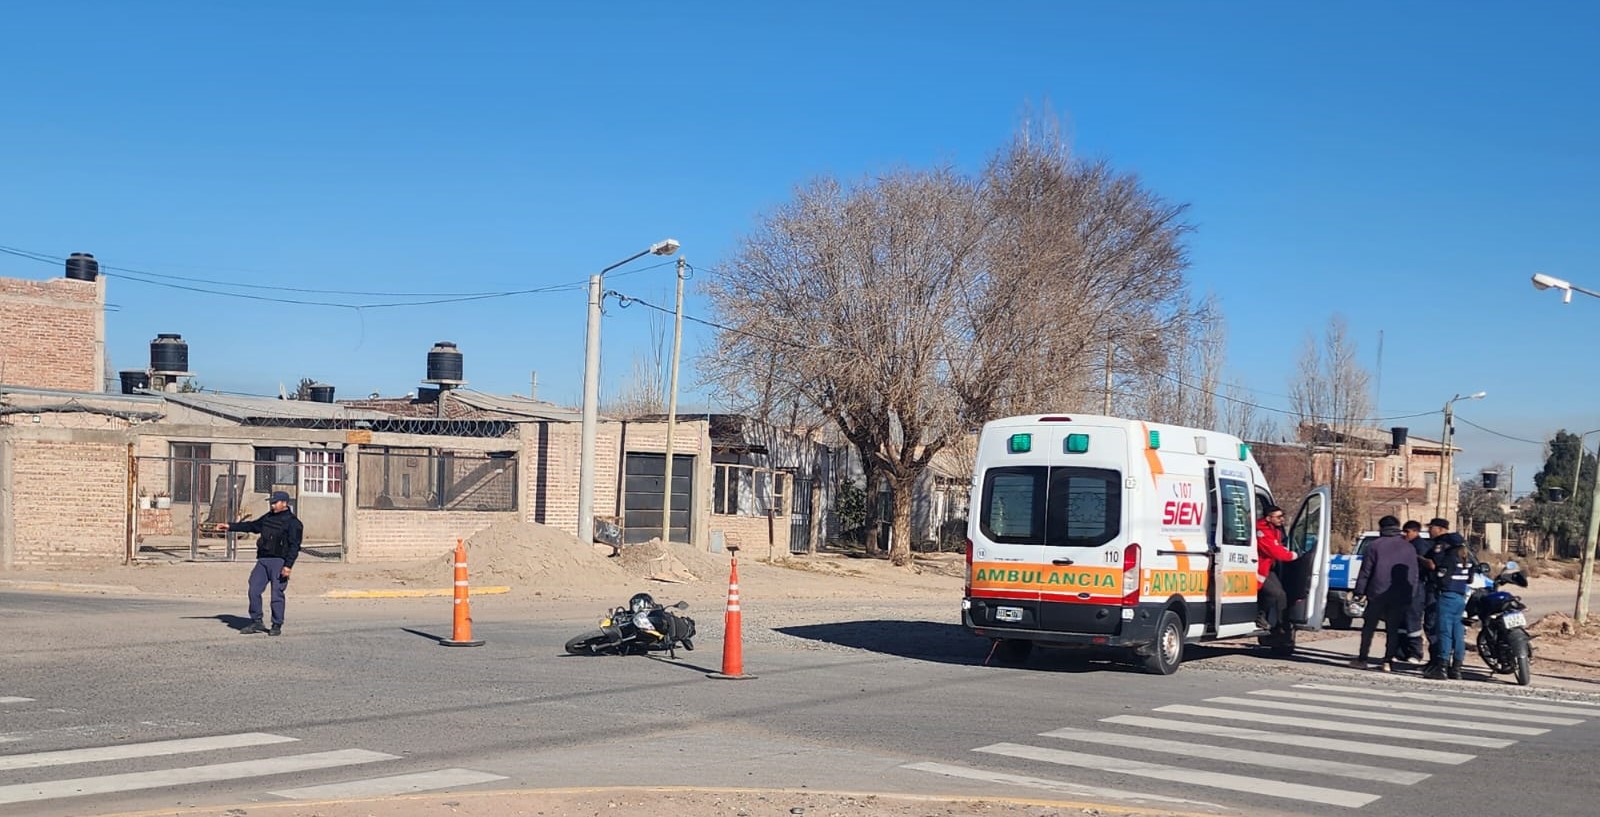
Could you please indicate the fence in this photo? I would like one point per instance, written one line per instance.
(183, 501)
(422, 479)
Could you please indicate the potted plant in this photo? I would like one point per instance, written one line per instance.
(163, 499)
(145, 501)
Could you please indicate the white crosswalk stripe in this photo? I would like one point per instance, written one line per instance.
(1271, 760)
(1298, 739)
(1475, 741)
(132, 750)
(1456, 708)
(134, 781)
(1387, 717)
(1564, 708)
(396, 784)
(1046, 784)
(12, 699)
(1177, 774)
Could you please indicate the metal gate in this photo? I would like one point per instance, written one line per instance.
(183, 501)
(643, 491)
(800, 516)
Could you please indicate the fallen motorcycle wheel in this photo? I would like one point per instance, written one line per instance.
(593, 642)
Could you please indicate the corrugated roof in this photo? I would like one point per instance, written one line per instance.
(237, 407)
(517, 406)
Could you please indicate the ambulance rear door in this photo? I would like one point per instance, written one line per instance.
(1232, 543)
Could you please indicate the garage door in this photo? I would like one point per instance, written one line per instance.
(643, 491)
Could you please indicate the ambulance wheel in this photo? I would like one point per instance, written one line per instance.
(1166, 649)
(1012, 650)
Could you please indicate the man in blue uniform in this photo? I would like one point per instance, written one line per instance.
(276, 549)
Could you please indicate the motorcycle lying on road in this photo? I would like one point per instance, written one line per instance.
(1503, 640)
(641, 627)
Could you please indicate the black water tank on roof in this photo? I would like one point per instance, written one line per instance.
(168, 353)
(444, 363)
(134, 379)
(81, 266)
(321, 393)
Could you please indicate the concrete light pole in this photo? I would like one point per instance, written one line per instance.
(1447, 475)
(591, 389)
(672, 405)
(1580, 610)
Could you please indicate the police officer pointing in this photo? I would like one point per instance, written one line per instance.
(276, 550)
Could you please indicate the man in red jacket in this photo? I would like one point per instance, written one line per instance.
(1271, 601)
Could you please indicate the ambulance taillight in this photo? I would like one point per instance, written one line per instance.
(1130, 576)
(967, 582)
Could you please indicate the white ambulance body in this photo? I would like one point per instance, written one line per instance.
(1099, 532)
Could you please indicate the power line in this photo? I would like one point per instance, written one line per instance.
(1539, 443)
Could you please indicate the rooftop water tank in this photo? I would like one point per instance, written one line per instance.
(133, 380)
(169, 354)
(444, 364)
(81, 266)
(321, 393)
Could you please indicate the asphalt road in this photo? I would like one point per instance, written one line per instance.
(890, 697)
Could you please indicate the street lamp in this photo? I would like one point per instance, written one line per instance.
(591, 389)
(1447, 478)
(1542, 281)
(1580, 612)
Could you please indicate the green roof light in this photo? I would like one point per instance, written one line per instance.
(1155, 439)
(1077, 444)
(1020, 443)
(1244, 451)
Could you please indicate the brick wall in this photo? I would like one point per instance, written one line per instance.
(67, 500)
(50, 334)
(749, 534)
(388, 536)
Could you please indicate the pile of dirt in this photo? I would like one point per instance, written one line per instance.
(1561, 625)
(1575, 646)
(539, 560)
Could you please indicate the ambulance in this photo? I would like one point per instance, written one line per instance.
(1129, 537)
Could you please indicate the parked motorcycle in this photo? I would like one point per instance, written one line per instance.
(642, 626)
(1503, 640)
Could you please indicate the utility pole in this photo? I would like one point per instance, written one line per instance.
(672, 405)
(1586, 574)
(591, 415)
(1445, 460)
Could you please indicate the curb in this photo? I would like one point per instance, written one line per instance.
(410, 594)
(69, 587)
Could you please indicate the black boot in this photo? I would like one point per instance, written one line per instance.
(1453, 672)
(254, 627)
(1434, 672)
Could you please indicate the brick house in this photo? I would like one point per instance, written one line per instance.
(1374, 475)
(91, 477)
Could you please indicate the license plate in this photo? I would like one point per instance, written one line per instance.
(1008, 614)
(1515, 618)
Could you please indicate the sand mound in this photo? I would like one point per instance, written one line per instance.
(670, 562)
(526, 556)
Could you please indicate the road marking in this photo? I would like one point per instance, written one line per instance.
(1522, 717)
(12, 699)
(1195, 777)
(1389, 717)
(398, 784)
(125, 751)
(1499, 702)
(1371, 730)
(134, 781)
(1286, 739)
(1046, 784)
(1269, 759)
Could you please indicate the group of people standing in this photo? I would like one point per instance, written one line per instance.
(1415, 585)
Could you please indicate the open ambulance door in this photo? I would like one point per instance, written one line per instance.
(1310, 538)
(1231, 546)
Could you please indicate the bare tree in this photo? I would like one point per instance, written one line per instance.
(1241, 416)
(910, 308)
(1331, 399)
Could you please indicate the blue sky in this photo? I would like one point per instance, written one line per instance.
(1406, 165)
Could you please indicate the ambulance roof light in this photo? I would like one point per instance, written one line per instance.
(1244, 451)
(1055, 418)
(1077, 444)
(1020, 443)
(1155, 439)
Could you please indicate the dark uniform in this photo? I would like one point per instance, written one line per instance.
(277, 547)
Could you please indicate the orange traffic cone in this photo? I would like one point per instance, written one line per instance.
(733, 633)
(461, 636)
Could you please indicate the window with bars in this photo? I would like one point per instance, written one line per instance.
(321, 472)
(745, 490)
(191, 470)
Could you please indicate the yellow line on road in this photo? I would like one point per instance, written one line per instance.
(410, 594)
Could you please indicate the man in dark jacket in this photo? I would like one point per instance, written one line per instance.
(1387, 580)
(276, 549)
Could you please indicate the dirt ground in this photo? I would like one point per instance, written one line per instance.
(530, 564)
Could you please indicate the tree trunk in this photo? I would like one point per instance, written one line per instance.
(900, 540)
(815, 516)
(870, 471)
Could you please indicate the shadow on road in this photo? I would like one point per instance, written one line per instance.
(429, 636)
(234, 622)
(945, 644)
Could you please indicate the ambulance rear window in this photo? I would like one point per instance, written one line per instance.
(1058, 507)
